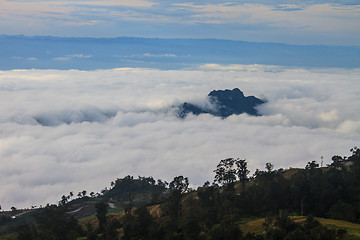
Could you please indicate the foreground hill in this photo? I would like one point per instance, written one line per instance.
(272, 204)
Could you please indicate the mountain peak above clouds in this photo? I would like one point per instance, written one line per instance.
(224, 103)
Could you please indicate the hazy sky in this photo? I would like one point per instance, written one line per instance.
(296, 22)
(97, 126)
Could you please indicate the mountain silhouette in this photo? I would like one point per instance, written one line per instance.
(223, 104)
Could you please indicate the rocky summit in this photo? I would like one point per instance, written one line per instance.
(223, 104)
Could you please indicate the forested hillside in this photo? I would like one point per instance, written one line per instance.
(271, 204)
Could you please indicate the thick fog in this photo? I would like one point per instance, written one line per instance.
(63, 131)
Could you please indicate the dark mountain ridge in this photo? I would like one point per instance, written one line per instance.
(223, 104)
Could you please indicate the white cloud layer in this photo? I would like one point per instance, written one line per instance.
(63, 131)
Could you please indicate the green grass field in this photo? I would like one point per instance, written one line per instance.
(9, 236)
(353, 229)
(254, 226)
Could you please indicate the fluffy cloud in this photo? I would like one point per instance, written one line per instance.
(72, 56)
(63, 131)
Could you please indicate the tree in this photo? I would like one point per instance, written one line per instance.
(355, 160)
(144, 220)
(180, 184)
(269, 166)
(63, 200)
(311, 165)
(355, 154)
(139, 225)
(55, 224)
(225, 230)
(178, 187)
(101, 210)
(338, 162)
(242, 171)
(225, 173)
(26, 232)
(342, 211)
(161, 183)
(297, 234)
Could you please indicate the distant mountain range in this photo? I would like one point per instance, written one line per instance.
(21, 52)
(223, 104)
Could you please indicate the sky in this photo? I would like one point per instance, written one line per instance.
(328, 22)
(72, 130)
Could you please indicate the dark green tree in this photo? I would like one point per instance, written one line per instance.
(342, 211)
(207, 204)
(297, 234)
(140, 225)
(55, 224)
(179, 184)
(311, 165)
(26, 232)
(225, 230)
(242, 171)
(225, 172)
(101, 211)
(269, 166)
(177, 187)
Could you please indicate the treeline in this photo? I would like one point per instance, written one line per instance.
(215, 210)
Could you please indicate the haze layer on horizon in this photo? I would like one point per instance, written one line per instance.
(21, 52)
(72, 130)
(328, 22)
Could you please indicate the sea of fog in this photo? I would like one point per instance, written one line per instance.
(71, 130)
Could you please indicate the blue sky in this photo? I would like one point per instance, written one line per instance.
(330, 22)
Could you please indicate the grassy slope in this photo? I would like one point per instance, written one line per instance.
(9, 236)
(353, 229)
(255, 226)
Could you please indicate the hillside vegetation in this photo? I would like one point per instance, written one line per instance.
(309, 203)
